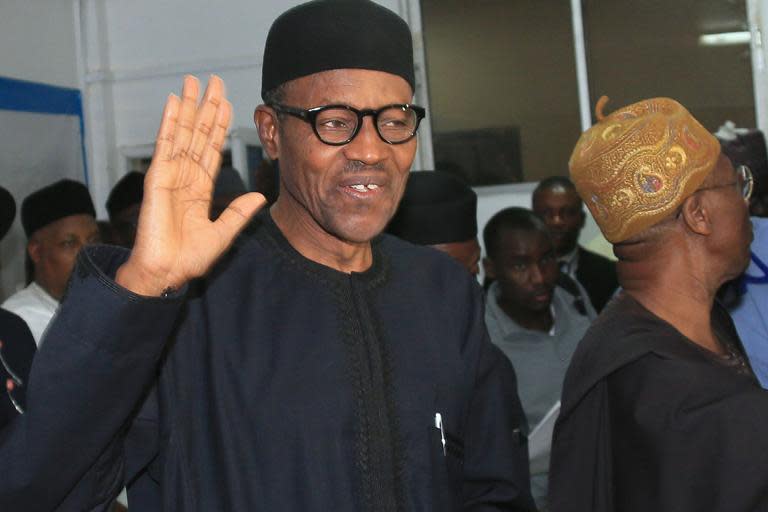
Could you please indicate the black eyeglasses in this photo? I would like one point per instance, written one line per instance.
(744, 179)
(337, 125)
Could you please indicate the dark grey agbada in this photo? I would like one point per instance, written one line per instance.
(285, 386)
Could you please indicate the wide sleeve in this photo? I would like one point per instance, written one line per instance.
(687, 436)
(98, 359)
(496, 474)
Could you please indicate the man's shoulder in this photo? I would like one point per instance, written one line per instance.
(569, 302)
(624, 332)
(409, 257)
(255, 247)
(426, 271)
(21, 299)
(405, 249)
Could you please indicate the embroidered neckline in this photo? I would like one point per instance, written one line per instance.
(376, 275)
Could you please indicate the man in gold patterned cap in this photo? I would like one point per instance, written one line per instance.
(659, 388)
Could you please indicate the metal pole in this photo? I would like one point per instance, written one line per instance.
(582, 79)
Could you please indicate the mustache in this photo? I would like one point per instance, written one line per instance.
(356, 166)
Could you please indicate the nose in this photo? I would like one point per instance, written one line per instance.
(556, 218)
(536, 275)
(367, 146)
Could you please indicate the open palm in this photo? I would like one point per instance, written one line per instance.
(175, 240)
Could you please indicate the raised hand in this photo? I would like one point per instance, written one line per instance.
(175, 240)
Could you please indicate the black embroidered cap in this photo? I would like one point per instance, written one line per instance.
(437, 208)
(54, 202)
(336, 34)
(128, 191)
(7, 211)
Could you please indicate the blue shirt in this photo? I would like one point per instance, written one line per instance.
(750, 316)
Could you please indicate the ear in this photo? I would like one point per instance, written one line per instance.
(697, 214)
(34, 249)
(266, 123)
(489, 268)
(583, 217)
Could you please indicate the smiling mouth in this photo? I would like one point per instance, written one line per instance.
(363, 188)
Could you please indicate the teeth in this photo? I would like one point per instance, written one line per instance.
(362, 188)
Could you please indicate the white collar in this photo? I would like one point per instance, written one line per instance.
(42, 295)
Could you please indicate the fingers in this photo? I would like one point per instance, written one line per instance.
(164, 141)
(214, 91)
(204, 123)
(211, 156)
(238, 213)
(186, 118)
(212, 119)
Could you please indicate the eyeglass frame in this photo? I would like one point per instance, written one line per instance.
(749, 183)
(749, 178)
(310, 116)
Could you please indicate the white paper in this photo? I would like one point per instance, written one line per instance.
(540, 441)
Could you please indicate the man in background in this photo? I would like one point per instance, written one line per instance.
(229, 186)
(534, 314)
(58, 220)
(555, 200)
(440, 211)
(123, 206)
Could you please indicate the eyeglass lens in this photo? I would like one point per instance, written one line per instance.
(746, 180)
(337, 125)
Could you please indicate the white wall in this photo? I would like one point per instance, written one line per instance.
(38, 41)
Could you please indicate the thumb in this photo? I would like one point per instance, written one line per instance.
(238, 213)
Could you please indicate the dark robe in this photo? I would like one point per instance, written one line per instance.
(651, 421)
(289, 386)
(597, 274)
(65, 452)
(17, 353)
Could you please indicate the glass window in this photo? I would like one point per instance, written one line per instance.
(502, 88)
(638, 50)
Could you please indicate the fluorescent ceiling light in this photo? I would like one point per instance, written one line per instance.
(725, 38)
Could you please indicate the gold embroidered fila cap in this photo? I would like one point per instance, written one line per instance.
(637, 165)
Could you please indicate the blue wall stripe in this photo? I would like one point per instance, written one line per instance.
(26, 96)
(39, 98)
